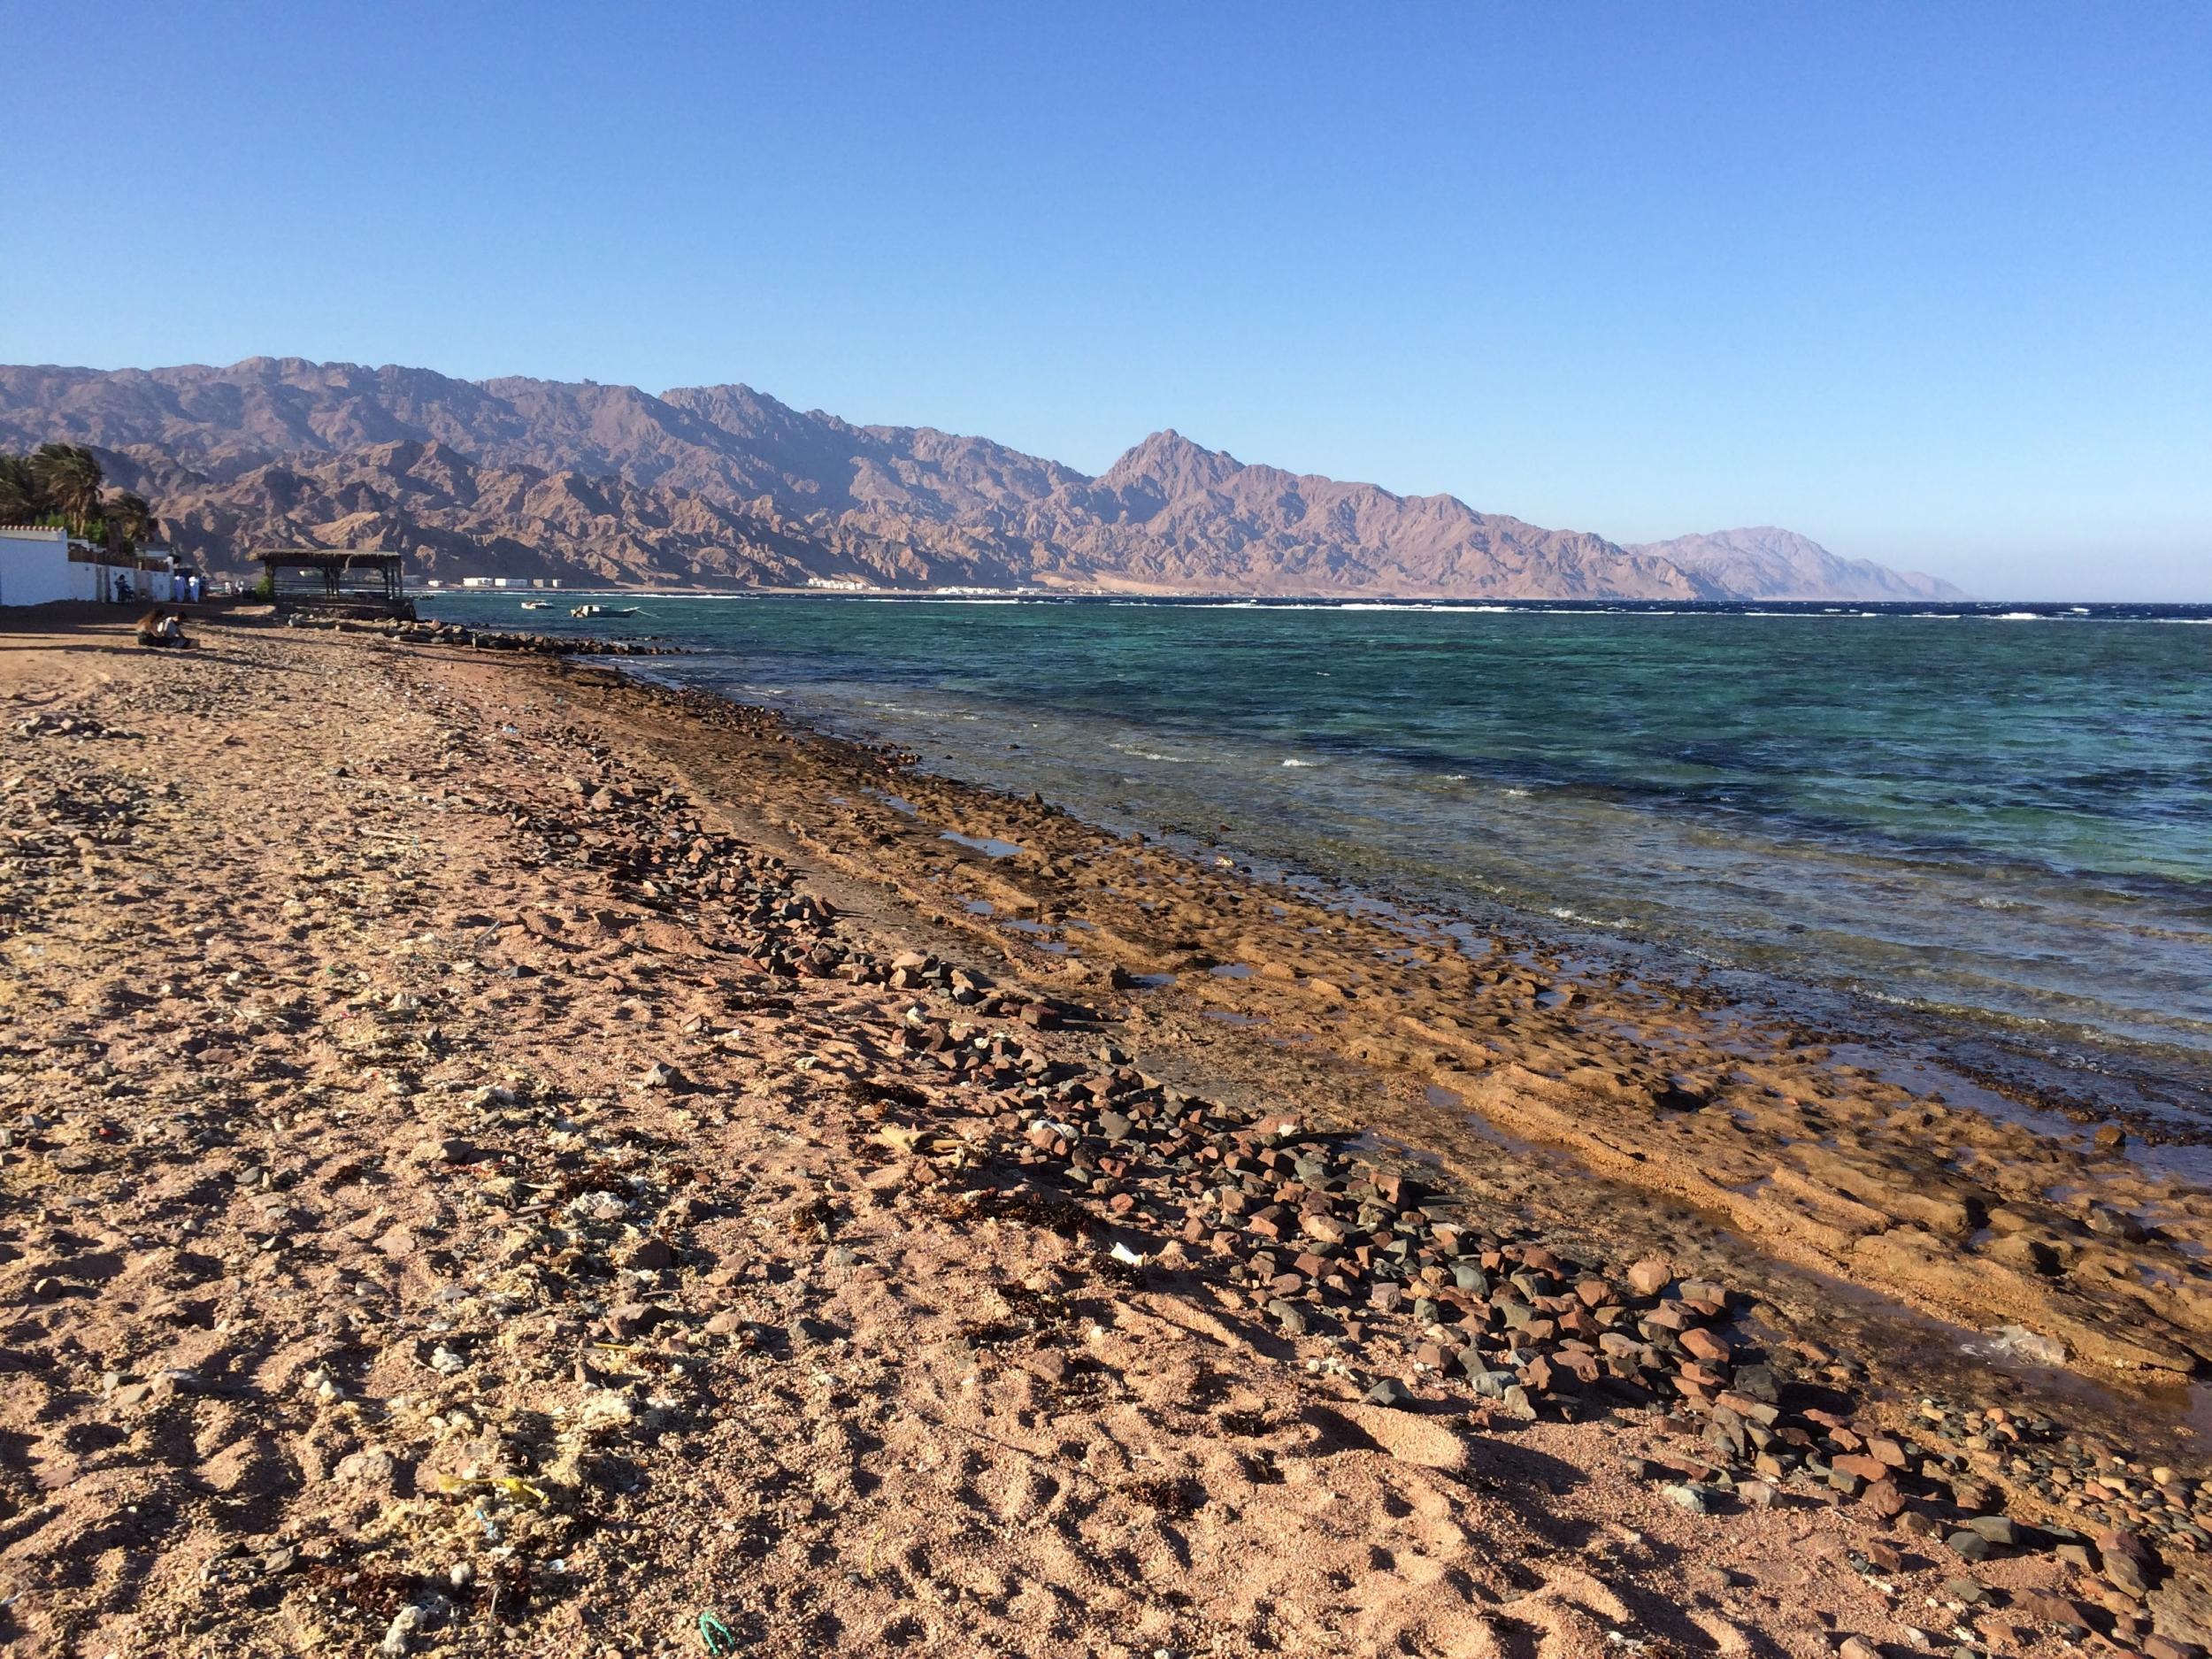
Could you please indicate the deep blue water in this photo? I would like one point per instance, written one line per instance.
(2000, 812)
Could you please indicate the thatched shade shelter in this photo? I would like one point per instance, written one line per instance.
(336, 581)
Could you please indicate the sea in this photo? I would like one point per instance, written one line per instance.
(1990, 825)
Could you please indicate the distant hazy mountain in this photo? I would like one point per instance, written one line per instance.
(723, 484)
(1764, 563)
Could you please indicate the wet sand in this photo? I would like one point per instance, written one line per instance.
(498, 1157)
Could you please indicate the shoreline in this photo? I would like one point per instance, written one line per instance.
(2026, 1111)
(1926, 1038)
(1446, 1053)
(574, 773)
(1546, 966)
(1998, 610)
(2121, 1051)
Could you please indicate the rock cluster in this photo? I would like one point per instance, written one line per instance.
(433, 633)
(430, 632)
(1393, 1286)
(49, 725)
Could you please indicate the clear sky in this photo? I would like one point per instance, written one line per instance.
(1931, 283)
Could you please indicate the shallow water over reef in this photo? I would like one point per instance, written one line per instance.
(2001, 815)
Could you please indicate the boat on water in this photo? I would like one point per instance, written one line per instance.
(604, 610)
(536, 604)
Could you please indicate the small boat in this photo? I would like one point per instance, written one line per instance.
(604, 610)
(536, 604)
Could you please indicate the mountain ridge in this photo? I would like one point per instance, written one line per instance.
(726, 485)
(1767, 562)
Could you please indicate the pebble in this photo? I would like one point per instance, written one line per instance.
(373, 1468)
(632, 1319)
(2047, 1606)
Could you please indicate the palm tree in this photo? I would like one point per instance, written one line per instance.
(130, 516)
(68, 479)
(18, 490)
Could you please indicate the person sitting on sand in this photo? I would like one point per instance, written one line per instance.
(162, 627)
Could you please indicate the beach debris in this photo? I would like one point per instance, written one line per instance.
(416, 1617)
(598, 1205)
(2018, 1343)
(920, 1143)
(606, 1413)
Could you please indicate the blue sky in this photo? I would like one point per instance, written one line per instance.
(1931, 283)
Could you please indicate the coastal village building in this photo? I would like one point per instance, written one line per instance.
(42, 566)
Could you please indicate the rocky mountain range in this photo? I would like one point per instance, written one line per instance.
(723, 485)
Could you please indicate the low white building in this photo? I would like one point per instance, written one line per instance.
(40, 565)
(34, 565)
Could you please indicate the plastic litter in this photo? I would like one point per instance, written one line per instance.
(2018, 1343)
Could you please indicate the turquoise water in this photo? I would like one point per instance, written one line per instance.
(2003, 817)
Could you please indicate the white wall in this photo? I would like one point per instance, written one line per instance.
(34, 567)
(98, 582)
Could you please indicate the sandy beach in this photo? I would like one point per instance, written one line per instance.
(496, 1157)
